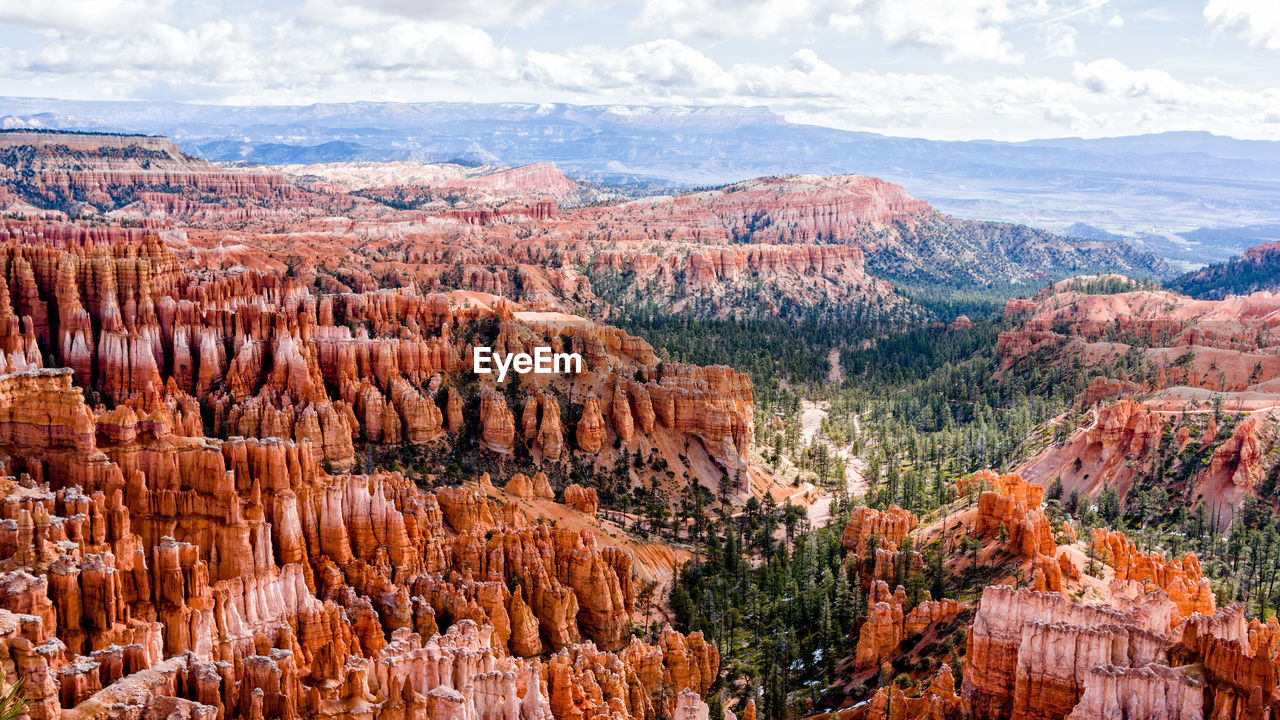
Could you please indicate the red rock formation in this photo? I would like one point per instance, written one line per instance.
(1238, 663)
(1029, 652)
(522, 181)
(520, 486)
(779, 210)
(1011, 509)
(1051, 656)
(888, 623)
(889, 526)
(1112, 449)
(104, 172)
(584, 682)
(194, 544)
(270, 362)
(542, 486)
(1262, 253)
(454, 411)
(42, 410)
(690, 707)
(1181, 579)
(480, 196)
(937, 702)
(881, 632)
(797, 273)
(1150, 691)
(1067, 567)
(711, 403)
(620, 406)
(590, 431)
(498, 425)
(1240, 458)
(1193, 352)
(238, 575)
(550, 435)
(582, 499)
(420, 416)
(886, 530)
(1101, 389)
(1046, 574)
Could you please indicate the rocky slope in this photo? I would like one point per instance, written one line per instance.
(191, 539)
(137, 175)
(1136, 636)
(248, 468)
(1042, 655)
(1187, 396)
(119, 309)
(746, 249)
(903, 237)
(496, 185)
(483, 181)
(1055, 182)
(475, 195)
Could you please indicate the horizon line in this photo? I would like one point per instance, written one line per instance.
(724, 106)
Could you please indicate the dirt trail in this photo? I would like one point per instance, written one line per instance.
(811, 416)
(1205, 411)
(835, 373)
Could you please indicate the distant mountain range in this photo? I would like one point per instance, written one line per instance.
(1192, 197)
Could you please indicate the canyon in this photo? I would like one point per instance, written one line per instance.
(1118, 185)
(534, 235)
(195, 526)
(251, 464)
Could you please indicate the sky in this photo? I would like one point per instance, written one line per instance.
(939, 69)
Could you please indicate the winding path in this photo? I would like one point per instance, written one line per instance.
(811, 416)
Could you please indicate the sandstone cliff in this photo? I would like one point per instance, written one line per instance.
(93, 172)
(1030, 653)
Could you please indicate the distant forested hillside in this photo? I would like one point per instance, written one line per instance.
(1258, 269)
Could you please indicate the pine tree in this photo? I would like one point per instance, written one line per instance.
(829, 639)
(844, 604)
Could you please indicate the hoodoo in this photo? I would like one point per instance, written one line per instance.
(402, 440)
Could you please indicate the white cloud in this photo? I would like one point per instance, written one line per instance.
(1109, 76)
(84, 15)
(1257, 21)
(262, 58)
(1059, 39)
(748, 18)
(330, 50)
(807, 61)
(434, 46)
(958, 29)
(469, 12)
(664, 68)
(1162, 102)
